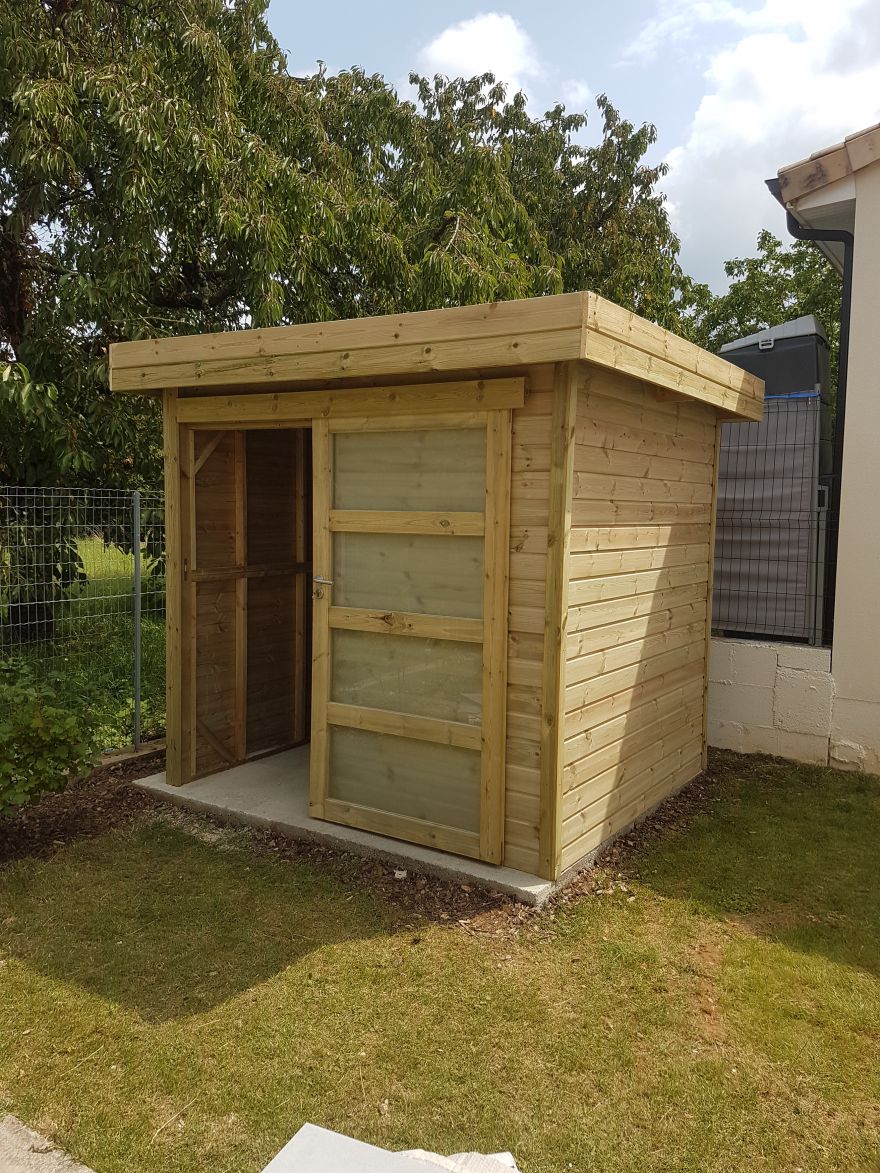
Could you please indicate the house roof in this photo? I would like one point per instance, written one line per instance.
(472, 339)
(830, 164)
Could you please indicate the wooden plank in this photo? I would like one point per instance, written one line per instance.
(379, 363)
(397, 521)
(455, 421)
(658, 708)
(458, 323)
(222, 751)
(616, 586)
(624, 763)
(619, 398)
(555, 614)
(663, 355)
(302, 591)
(624, 631)
(612, 562)
(206, 452)
(404, 725)
(218, 573)
(322, 482)
(645, 800)
(597, 614)
(627, 513)
(604, 795)
(613, 462)
(596, 664)
(296, 406)
(605, 487)
(586, 539)
(640, 692)
(496, 572)
(189, 617)
(711, 559)
(174, 660)
(407, 623)
(581, 695)
(240, 489)
(411, 830)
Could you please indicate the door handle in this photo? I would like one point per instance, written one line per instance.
(321, 581)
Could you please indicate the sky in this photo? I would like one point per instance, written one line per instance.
(736, 88)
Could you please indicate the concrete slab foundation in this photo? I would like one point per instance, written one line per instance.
(272, 792)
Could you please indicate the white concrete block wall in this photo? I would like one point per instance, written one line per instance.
(771, 698)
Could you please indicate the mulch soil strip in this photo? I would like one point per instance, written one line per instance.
(105, 801)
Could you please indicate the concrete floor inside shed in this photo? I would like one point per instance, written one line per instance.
(273, 792)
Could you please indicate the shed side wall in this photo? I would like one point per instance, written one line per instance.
(637, 604)
(530, 484)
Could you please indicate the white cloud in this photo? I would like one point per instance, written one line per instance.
(577, 95)
(788, 82)
(491, 42)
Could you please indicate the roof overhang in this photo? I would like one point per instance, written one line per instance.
(820, 192)
(443, 343)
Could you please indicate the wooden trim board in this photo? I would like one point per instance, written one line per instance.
(284, 408)
(496, 335)
(555, 614)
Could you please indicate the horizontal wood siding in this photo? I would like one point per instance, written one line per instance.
(528, 557)
(637, 604)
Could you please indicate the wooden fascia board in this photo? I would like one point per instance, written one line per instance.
(439, 342)
(466, 337)
(621, 340)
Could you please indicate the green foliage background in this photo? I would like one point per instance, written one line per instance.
(161, 172)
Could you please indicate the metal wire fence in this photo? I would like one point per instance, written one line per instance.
(82, 600)
(773, 523)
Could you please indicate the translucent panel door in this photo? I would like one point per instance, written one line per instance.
(411, 547)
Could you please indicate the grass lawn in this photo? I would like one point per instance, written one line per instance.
(710, 1000)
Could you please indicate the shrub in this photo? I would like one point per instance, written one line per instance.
(44, 739)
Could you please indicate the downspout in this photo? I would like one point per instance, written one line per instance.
(835, 236)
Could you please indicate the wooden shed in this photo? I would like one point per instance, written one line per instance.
(465, 553)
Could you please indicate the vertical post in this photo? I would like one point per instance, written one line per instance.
(136, 614)
(562, 429)
(174, 580)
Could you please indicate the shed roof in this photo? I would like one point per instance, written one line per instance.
(505, 334)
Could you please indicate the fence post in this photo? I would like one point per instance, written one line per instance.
(136, 614)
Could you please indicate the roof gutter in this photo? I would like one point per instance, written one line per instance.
(837, 236)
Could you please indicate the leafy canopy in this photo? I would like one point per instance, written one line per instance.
(161, 172)
(780, 283)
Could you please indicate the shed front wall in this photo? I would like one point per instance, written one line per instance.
(639, 566)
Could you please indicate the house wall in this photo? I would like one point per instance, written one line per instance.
(774, 698)
(639, 566)
(855, 661)
(529, 500)
(814, 704)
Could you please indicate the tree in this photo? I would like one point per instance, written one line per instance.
(161, 172)
(780, 283)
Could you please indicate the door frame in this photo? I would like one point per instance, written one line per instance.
(439, 402)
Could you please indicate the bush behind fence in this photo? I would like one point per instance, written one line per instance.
(82, 601)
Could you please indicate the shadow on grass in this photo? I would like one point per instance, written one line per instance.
(169, 926)
(790, 850)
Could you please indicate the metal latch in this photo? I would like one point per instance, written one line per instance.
(320, 582)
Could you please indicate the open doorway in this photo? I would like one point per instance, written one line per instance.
(279, 627)
(249, 621)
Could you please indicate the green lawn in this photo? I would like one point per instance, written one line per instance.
(177, 1002)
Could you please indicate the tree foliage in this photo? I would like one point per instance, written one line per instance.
(779, 283)
(161, 172)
